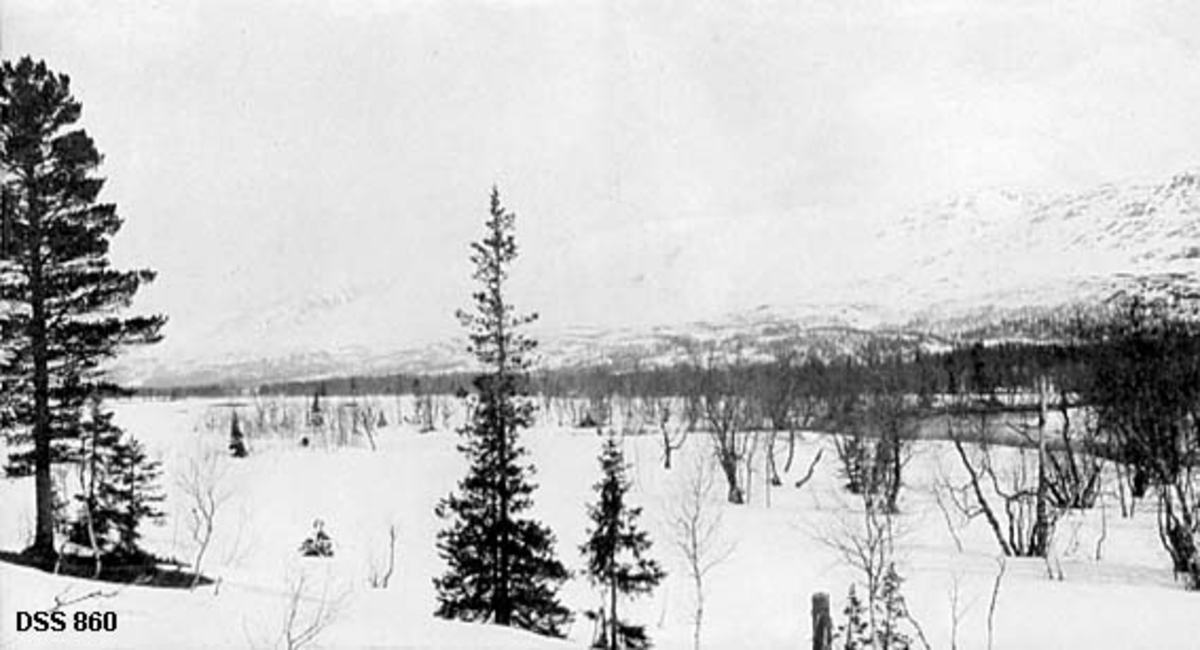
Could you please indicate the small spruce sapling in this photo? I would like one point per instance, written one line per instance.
(882, 623)
(237, 440)
(319, 544)
(855, 632)
(890, 634)
(615, 553)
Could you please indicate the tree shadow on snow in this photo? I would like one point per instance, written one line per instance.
(147, 571)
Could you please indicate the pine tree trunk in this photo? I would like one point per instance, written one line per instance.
(612, 605)
(43, 541)
(504, 606)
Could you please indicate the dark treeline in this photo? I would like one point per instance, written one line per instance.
(397, 384)
(977, 369)
(1007, 367)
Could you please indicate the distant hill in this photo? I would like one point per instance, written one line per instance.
(994, 265)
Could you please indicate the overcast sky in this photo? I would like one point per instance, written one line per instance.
(667, 160)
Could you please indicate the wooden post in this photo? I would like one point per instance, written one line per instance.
(822, 625)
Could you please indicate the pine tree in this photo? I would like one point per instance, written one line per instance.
(502, 566)
(615, 552)
(59, 295)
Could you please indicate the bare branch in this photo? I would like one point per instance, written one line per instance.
(991, 617)
(812, 467)
(201, 484)
(696, 527)
(377, 578)
(306, 615)
(63, 601)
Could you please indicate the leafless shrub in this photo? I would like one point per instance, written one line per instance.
(957, 610)
(867, 543)
(305, 614)
(1103, 537)
(727, 411)
(599, 410)
(1145, 391)
(424, 416)
(1124, 484)
(672, 431)
(879, 426)
(696, 526)
(446, 410)
(364, 419)
(991, 617)
(1073, 466)
(237, 550)
(1012, 498)
(377, 576)
(202, 484)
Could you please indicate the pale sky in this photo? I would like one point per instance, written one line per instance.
(667, 160)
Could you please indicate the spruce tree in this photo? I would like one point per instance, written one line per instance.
(883, 622)
(315, 417)
(237, 439)
(855, 632)
(615, 552)
(119, 490)
(59, 294)
(502, 566)
(123, 490)
(99, 437)
(893, 617)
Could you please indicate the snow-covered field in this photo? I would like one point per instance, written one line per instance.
(758, 598)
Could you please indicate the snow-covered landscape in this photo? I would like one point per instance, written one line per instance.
(599, 324)
(1115, 592)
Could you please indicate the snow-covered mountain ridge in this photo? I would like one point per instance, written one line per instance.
(993, 264)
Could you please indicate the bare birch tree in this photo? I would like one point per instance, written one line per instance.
(696, 524)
